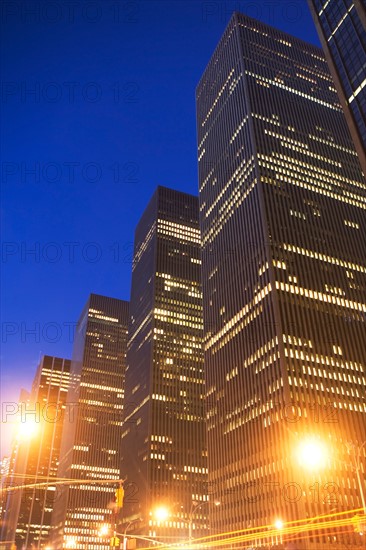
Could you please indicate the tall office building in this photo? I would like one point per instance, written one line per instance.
(91, 440)
(282, 214)
(341, 25)
(4, 482)
(4, 476)
(165, 456)
(29, 510)
(12, 496)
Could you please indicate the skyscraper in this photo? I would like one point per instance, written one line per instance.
(12, 496)
(4, 480)
(47, 410)
(342, 30)
(282, 215)
(164, 443)
(91, 440)
(4, 483)
(36, 454)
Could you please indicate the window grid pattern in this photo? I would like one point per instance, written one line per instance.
(164, 434)
(283, 275)
(29, 511)
(91, 441)
(342, 29)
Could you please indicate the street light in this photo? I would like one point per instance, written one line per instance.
(27, 430)
(278, 524)
(194, 507)
(355, 452)
(299, 529)
(104, 530)
(312, 453)
(161, 513)
(125, 536)
(70, 542)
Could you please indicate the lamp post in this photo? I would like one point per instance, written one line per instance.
(355, 452)
(194, 507)
(312, 454)
(279, 526)
(125, 536)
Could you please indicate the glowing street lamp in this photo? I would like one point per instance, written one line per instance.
(161, 513)
(104, 530)
(27, 430)
(278, 524)
(70, 542)
(312, 454)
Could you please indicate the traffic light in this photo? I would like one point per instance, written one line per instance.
(120, 493)
(114, 542)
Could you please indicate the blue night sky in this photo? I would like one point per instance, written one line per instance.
(98, 98)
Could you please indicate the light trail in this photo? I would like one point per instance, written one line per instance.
(294, 530)
(62, 481)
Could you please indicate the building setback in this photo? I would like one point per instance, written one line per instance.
(282, 216)
(91, 440)
(164, 439)
(341, 26)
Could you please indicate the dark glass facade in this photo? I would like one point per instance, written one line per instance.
(341, 25)
(283, 223)
(91, 439)
(164, 441)
(40, 456)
